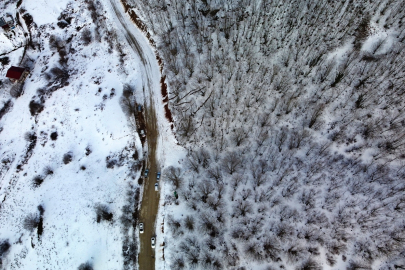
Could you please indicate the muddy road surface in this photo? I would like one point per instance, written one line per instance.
(151, 85)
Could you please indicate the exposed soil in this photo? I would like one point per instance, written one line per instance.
(138, 22)
(147, 118)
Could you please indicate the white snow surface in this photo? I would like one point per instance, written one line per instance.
(85, 113)
(52, 9)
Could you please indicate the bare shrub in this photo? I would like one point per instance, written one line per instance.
(362, 33)
(4, 247)
(59, 74)
(310, 264)
(189, 223)
(103, 213)
(54, 136)
(6, 108)
(85, 266)
(5, 60)
(62, 24)
(252, 250)
(231, 162)
(68, 157)
(55, 43)
(31, 222)
(37, 181)
(173, 224)
(354, 265)
(87, 37)
(330, 259)
(178, 263)
(48, 170)
(30, 136)
(128, 101)
(295, 253)
(174, 175)
(271, 248)
(36, 107)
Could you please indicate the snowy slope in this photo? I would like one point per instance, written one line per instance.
(85, 113)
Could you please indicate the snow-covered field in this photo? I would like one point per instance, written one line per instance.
(62, 166)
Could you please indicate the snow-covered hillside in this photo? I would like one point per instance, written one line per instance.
(292, 114)
(69, 158)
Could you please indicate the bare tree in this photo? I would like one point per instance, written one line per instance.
(315, 114)
(215, 173)
(242, 208)
(189, 223)
(281, 137)
(205, 188)
(174, 175)
(231, 162)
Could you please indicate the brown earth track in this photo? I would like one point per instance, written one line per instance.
(150, 198)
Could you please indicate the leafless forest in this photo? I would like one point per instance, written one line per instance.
(293, 116)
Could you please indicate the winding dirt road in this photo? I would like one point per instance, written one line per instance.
(151, 75)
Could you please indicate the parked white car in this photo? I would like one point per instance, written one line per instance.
(153, 240)
(140, 227)
(156, 186)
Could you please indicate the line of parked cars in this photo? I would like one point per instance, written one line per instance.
(141, 228)
(153, 239)
(146, 173)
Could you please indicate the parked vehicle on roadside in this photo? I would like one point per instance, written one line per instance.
(140, 227)
(158, 176)
(146, 173)
(153, 241)
(156, 187)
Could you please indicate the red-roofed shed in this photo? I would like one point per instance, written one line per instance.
(16, 74)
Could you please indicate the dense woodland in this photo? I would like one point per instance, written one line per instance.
(293, 116)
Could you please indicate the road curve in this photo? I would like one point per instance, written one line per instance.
(151, 79)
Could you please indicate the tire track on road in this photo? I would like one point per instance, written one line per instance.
(150, 198)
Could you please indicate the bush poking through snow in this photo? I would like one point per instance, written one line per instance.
(36, 107)
(189, 223)
(37, 181)
(110, 163)
(85, 266)
(4, 247)
(30, 136)
(87, 37)
(6, 108)
(54, 136)
(174, 175)
(62, 24)
(178, 263)
(61, 75)
(48, 170)
(353, 265)
(31, 222)
(310, 264)
(67, 158)
(103, 213)
(4, 60)
(128, 101)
